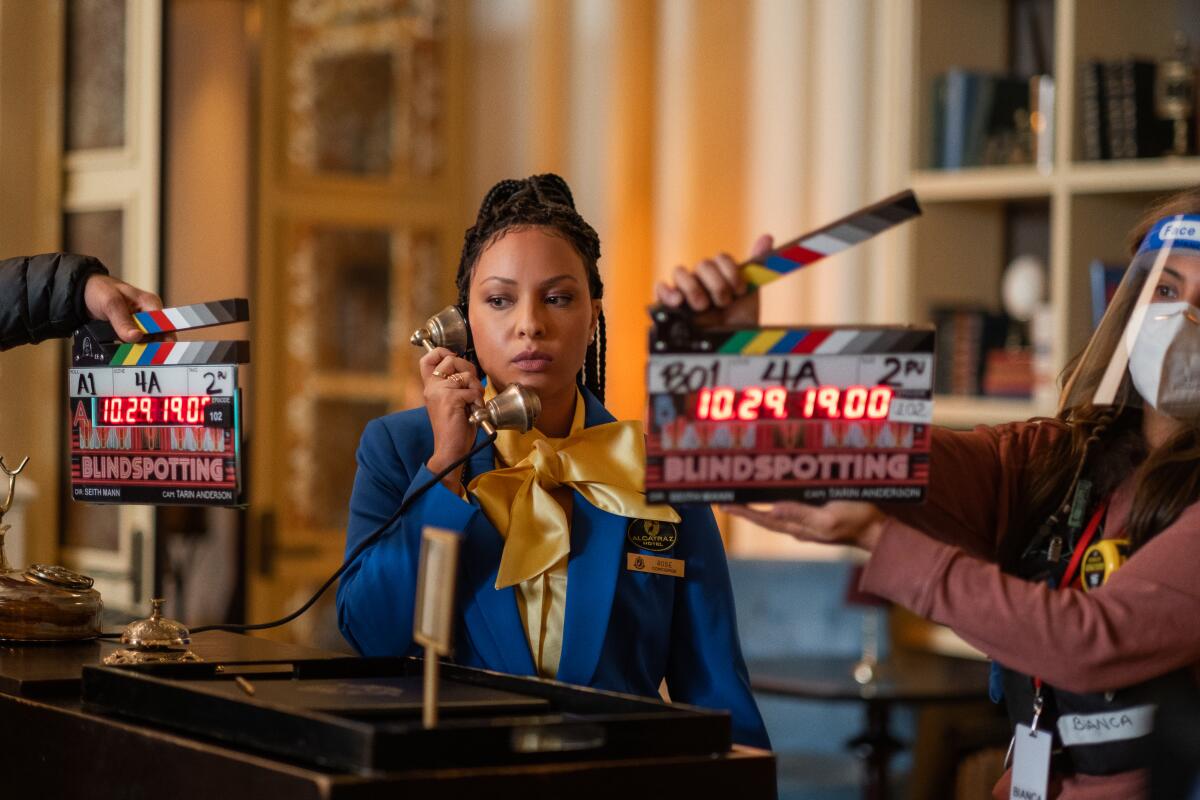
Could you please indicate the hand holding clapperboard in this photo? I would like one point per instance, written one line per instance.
(819, 413)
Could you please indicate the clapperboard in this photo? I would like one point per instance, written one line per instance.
(807, 413)
(158, 423)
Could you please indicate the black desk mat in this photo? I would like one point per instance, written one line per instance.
(363, 714)
(399, 696)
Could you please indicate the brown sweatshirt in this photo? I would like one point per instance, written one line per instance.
(938, 560)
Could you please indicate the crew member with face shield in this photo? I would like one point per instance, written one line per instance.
(1066, 549)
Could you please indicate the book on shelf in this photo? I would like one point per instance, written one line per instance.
(955, 98)
(974, 117)
(1096, 146)
(1119, 119)
(1008, 372)
(965, 334)
(1115, 103)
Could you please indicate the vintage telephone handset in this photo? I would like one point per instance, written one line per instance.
(516, 407)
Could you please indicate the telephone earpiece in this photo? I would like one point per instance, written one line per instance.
(447, 328)
(516, 407)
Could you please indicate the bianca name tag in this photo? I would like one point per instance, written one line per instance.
(1108, 726)
(640, 562)
(1031, 764)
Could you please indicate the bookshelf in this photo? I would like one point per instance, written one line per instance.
(955, 254)
(1081, 177)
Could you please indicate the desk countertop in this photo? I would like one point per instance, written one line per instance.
(47, 669)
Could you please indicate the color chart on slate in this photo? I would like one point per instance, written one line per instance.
(198, 315)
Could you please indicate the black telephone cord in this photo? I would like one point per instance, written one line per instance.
(363, 545)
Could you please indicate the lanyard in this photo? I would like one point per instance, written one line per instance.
(1068, 575)
(1089, 533)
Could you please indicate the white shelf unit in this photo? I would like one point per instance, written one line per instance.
(1085, 177)
(955, 254)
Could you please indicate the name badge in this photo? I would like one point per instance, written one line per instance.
(1031, 764)
(1108, 726)
(639, 562)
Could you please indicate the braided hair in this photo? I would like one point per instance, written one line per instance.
(541, 201)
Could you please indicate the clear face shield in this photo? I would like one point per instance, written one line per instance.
(1146, 349)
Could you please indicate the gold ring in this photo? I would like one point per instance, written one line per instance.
(457, 379)
(439, 374)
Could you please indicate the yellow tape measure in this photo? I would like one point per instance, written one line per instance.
(1100, 561)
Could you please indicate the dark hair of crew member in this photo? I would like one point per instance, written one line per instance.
(539, 201)
(1106, 444)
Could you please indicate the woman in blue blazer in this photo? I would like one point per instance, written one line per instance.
(531, 286)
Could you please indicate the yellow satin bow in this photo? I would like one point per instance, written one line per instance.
(604, 463)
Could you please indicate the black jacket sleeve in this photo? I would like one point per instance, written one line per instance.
(41, 297)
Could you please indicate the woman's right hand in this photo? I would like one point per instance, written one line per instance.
(714, 289)
(448, 401)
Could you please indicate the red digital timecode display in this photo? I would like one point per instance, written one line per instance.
(775, 402)
(177, 410)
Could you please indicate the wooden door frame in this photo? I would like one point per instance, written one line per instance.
(128, 179)
(283, 202)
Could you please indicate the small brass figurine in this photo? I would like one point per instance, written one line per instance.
(5, 567)
(43, 603)
(1175, 93)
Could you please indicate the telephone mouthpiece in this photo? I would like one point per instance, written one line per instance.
(516, 408)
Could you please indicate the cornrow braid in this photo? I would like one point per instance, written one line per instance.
(498, 194)
(601, 359)
(543, 201)
(592, 373)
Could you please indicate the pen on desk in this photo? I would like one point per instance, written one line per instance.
(246, 685)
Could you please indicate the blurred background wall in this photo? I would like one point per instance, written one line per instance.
(687, 127)
(324, 156)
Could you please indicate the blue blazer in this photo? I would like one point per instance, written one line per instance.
(623, 630)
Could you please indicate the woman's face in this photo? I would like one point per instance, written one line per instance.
(530, 310)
